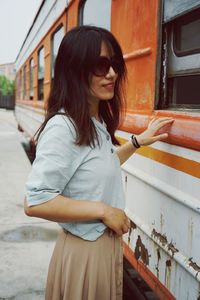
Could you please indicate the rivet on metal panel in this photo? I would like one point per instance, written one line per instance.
(141, 251)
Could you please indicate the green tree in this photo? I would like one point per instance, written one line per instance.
(6, 86)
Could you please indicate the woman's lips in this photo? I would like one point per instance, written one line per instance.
(109, 86)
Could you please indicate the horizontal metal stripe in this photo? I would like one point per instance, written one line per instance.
(176, 162)
(137, 53)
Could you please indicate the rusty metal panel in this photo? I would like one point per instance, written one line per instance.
(163, 205)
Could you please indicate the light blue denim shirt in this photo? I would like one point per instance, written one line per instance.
(79, 172)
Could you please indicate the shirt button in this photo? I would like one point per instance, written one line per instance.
(112, 150)
(108, 137)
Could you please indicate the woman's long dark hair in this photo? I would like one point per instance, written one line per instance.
(78, 51)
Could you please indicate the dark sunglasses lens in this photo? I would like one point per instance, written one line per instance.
(115, 65)
(101, 67)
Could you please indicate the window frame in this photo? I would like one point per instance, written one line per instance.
(81, 13)
(183, 20)
(168, 75)
(61, 25)
(24, 82)
(31, 73)
(40, 80)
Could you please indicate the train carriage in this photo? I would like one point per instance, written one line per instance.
(161, 47)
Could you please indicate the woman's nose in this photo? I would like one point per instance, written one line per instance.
(111, 72)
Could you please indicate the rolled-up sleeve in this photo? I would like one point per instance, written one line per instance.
(55, 161)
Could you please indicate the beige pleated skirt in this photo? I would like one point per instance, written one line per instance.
(86, 270)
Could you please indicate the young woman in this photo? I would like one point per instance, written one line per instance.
(76, 177)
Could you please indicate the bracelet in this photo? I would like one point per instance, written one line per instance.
(135, 142)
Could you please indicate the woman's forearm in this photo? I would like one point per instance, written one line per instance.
(147, 137)
(125, 151)
(63, 209)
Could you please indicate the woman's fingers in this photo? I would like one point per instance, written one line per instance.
(125, 228)
(158, 124)
(164, 123)
(159, 121)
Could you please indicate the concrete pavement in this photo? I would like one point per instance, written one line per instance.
(26, 244)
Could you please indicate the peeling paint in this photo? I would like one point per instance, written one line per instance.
(172, 248)
(133, 226)
(168, 263)
(141, 251)
(161, 237)
(159, 257)
(168, 273)
(194, 265)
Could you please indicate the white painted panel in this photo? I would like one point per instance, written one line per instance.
(29, 119)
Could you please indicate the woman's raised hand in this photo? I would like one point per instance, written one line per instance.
(149, 135)
(116, 219)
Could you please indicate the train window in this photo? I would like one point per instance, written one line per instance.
(187, 34)
(180, 76)
(24, 82)
(31, 79)
(95, 12)
(41, 74)
(55, 43)
(183, 89)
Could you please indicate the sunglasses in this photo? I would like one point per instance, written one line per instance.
(103, 64)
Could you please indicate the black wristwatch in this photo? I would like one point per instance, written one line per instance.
(134, 141)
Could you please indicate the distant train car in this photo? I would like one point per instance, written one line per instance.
(161, 46)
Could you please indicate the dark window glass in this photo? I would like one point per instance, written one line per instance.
(55, 43)
(41, 74)
(31, 79)
(95, 12)
(187, 34)
(184, 91)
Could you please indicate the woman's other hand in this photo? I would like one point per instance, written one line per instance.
(149, 135)
(116, 219)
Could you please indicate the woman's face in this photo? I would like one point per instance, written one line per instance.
(102, 87)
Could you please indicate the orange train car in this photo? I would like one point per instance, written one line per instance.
(161, 46)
